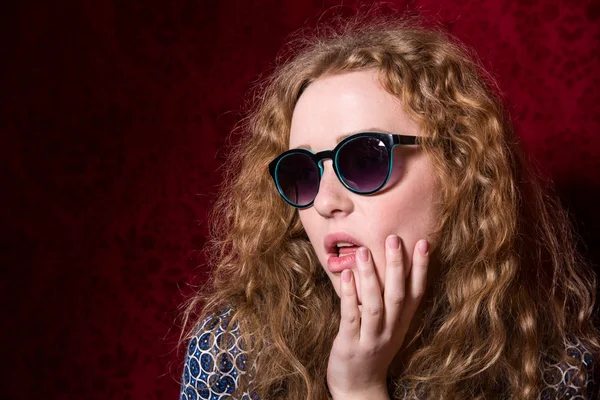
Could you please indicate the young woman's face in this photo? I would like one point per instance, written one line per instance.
(339, 105)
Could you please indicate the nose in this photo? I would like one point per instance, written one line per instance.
(333, 198)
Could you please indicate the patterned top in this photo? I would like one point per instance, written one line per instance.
(215, 361)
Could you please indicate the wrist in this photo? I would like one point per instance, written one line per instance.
(377, 393)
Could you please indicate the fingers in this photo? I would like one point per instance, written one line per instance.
(417, 280)
(394, 292)
(401, 296)
(369, 338)
(372, 303)
(350, 314)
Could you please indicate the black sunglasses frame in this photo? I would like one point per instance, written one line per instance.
(389, 140)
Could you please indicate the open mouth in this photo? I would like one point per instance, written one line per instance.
(344, 249)
(340, 249)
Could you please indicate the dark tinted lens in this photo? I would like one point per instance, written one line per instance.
(363, 163)
(298, 178)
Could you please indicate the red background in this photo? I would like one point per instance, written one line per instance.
(113, 119)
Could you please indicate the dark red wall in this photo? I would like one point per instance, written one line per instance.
(113, 120)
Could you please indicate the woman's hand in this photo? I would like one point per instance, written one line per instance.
(367, 341)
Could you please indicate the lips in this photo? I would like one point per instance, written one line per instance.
(339, 259)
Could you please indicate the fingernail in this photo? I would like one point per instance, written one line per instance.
(423, 246)
(393, 242)
(346, 275)
(363, 254)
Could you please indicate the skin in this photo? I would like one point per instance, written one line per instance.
(380, 295)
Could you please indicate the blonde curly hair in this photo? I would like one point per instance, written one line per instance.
(513, 285)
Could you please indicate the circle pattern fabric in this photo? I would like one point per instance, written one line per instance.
(216, 359)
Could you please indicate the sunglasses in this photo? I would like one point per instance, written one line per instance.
(362, 162)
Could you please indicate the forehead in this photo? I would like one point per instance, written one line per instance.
(335, 106)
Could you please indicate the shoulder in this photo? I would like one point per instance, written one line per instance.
(215, 360)
(574, 379)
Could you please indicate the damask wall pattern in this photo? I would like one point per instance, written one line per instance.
(114, 124)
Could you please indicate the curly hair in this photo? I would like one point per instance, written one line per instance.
(513, 285)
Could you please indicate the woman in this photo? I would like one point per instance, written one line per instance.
(380, 235)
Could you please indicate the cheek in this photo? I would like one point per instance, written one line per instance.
(311, 227)
(409, 205)
(306, 220)
(408, 213)
(397, 168)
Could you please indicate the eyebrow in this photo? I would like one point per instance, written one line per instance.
(345, 135)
